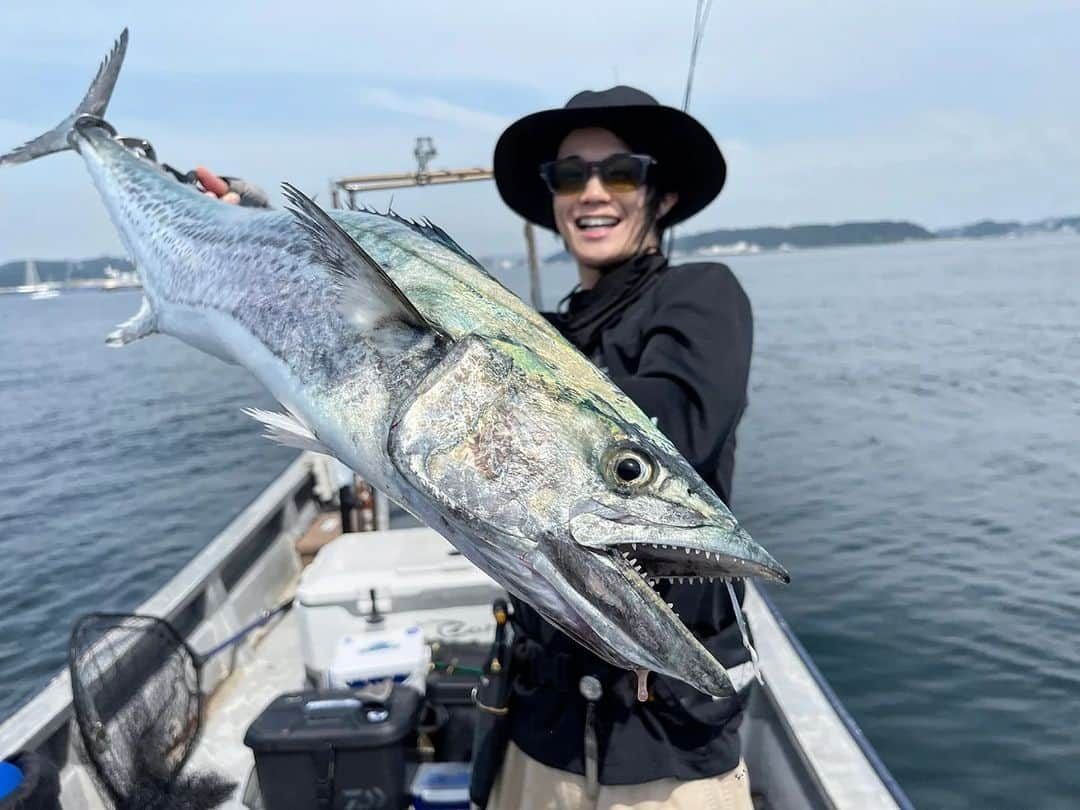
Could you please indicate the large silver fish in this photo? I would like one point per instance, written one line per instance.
(393, 350)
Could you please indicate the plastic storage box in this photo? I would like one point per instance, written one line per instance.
(397, 655)
(441, 786)
(417, 578)
(318, 749)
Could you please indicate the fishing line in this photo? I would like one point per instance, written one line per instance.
(741, 621)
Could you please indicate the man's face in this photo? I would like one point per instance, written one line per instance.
(601, 227)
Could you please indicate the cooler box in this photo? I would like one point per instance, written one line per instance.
(441, 786)
(318, 749)
(418, 579)
(400, 656)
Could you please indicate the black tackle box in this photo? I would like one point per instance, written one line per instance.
(332, 750)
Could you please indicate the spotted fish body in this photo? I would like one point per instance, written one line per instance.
(391, 349)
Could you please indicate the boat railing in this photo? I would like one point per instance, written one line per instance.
(241, 573)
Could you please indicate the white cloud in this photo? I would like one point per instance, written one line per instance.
(435, 109)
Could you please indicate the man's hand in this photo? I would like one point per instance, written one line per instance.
(233, 191)
(214, 186)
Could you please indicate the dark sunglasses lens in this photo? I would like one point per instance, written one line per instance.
(567, 175)
(623, 172)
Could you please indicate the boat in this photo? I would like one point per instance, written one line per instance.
(34, 287)
(803, 750)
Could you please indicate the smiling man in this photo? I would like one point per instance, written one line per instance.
(609, 172)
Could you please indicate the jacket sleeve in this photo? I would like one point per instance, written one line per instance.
(695, 361)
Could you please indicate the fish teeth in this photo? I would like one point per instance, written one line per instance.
(633, 560)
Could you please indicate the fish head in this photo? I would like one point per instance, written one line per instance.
(573, 499)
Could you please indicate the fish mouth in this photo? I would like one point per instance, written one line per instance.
(601, 599)
(659, 562)
(678, 550)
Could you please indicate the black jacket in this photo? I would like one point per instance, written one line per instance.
(677, 340)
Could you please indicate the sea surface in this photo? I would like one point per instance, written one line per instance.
(911, 453)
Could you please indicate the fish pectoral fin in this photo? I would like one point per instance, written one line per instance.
(288, 430)
(140, 325)
(369, 298)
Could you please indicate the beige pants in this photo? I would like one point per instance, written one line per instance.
(525, 784)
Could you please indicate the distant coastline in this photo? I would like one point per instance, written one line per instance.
(733, 241)
(110, 271)
(721, 242)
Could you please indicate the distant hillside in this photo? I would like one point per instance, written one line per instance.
(990, 227)
(806, 236)
(739, 240)
(13, 274)
(725, 240)
(750, 240)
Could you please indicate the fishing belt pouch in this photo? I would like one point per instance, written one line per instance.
(455, 673)
(333, 750)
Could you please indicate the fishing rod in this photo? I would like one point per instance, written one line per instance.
(701, 17)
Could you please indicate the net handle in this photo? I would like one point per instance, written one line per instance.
(202, 658)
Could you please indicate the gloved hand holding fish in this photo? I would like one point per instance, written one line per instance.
(390, 348)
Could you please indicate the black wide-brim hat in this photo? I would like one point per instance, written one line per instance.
(688, 160)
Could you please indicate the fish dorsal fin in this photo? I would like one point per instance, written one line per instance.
(369, 297)
(428, 229)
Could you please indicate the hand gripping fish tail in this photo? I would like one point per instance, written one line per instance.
(390, 348)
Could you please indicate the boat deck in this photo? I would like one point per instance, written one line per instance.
(270, 667)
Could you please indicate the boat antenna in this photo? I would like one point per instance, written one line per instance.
(701, 16)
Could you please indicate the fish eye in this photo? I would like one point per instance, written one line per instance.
(630, 469)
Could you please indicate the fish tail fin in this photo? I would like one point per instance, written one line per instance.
(94, 104)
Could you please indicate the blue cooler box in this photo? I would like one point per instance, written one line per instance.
(441, 786)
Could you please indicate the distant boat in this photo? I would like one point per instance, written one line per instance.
(34, 286)
(120, 279)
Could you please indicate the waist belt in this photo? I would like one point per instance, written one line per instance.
(535, 667)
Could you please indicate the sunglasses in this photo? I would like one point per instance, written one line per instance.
(623, 172)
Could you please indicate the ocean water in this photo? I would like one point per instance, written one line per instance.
(911, 453)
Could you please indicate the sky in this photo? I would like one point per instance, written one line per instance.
(937, 112)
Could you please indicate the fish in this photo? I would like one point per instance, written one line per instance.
(390, 348)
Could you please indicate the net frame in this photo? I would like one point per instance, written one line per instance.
(127, 670)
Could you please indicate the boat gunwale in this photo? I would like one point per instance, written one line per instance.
(36, 722)
(854, 732)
